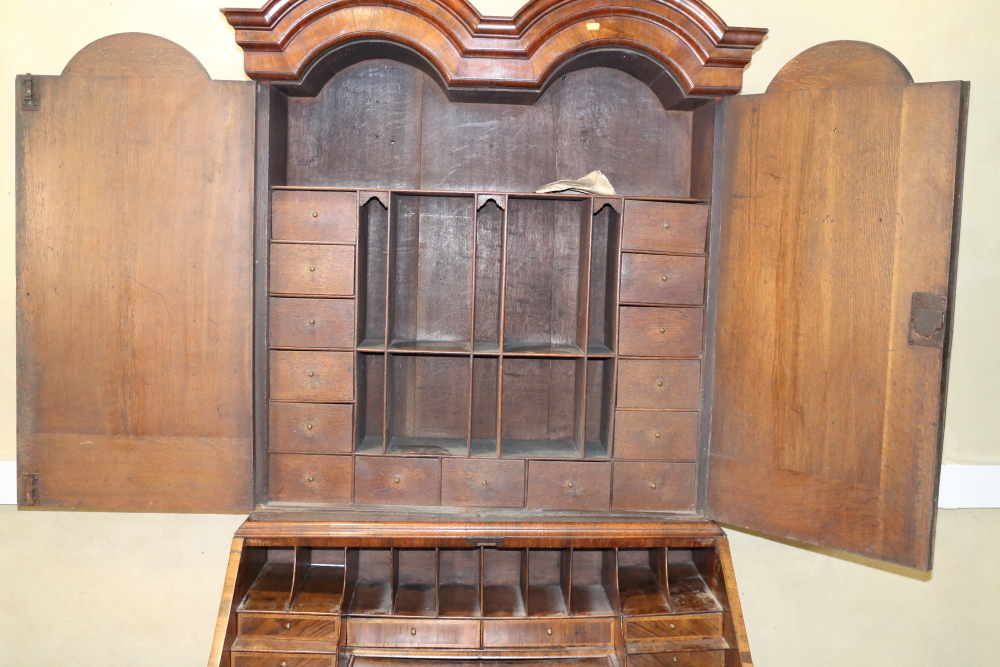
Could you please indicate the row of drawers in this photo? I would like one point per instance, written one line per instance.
(326, 428)
(453, 633)
(461, 482)
(332, 217)
(328, 271)
(309, 323)
(328, 377)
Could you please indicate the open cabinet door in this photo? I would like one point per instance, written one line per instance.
(134, 282)
(837, 230)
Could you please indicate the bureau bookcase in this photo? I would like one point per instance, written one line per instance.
(473, 422)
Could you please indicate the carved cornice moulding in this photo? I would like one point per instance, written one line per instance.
(286, 38)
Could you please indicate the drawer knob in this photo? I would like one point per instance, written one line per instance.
(284, 663)
(673, 627)
(666, 225)
(309, 427)
(548, 631)
(652, 485)
(311, 321)
(570, 485)
(287, 626)
(486, 482)
(659, 383)
(311, 479)
(395, 480)
(655, 435)
(413, 631)
(662, 330)
(313, 268)
(315, 214)
(310, 374)
(675, 658)
(663, 278)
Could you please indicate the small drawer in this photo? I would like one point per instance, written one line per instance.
(241, 659)
(568, 485)
(660, 332)
(546, 633)
(303, 215)
(312, 270)
(667, 226)
(311, 323)
(663, 279)
(660, 628)
(312, 376)
(673, 384)
(482, 483)
(654, 487)
(427, 634)
(288, 626)
(396, 480)
(678, 659)
(656, 435)
(310, 428)
(309, 478)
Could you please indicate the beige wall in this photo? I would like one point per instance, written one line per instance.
(141, 589)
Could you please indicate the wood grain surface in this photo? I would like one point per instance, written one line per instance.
(663, 279)
(310, 428)
(330, 217)
(660, 332)
(664, 226)
(311, 323)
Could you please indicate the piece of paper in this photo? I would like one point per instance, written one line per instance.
(594, 183)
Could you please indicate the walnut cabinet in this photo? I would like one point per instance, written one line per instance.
(473, 422)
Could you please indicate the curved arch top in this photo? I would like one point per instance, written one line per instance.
(285, 38)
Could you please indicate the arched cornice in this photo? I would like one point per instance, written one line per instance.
(286, 38)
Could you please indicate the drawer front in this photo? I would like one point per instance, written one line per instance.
(241, 659)
(654, 486)
(482, 483)
(660, 332)
(667, 226)
(311, 323)
(660, 628)
(673, 384)
(663, 279)
(546, 633)
(320, 270)
(312, 376)
(678, 659)
(428, 634)
(309, 478)
(298, 215)
(287, 626)
(310, 428)
(656, 435)
(569, 485)
(396, 480)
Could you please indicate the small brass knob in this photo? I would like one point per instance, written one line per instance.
(673, 627)
(413, 631)
(486, 482)
(311, 479)
(663, 278)
(315, 214)
(659, 383)
(309, 427)
(570, 485)
(312, 321)
(287, 625)
(655, 435)
(662, 330)
(284, 664)
(666, 225)
(652, 485)
(310, 374)
(313, 268)
(395, 480)
(548, 631)
(675, 658)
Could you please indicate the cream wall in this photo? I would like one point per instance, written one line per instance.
(142, 589)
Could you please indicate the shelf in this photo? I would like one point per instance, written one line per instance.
(542, 350)
(430, 346)
(415, 446)
(469, 193)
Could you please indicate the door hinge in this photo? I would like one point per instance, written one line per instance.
(30, 488)
(927, 319)
(29, 93)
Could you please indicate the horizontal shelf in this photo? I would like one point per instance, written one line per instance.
(472, 193)
(431, 346)
(542, 350)
(412, 446)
